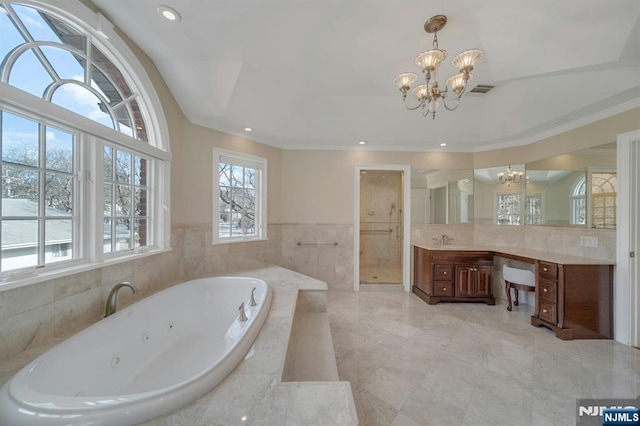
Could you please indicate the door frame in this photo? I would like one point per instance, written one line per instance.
(406, 221)
(627, 288)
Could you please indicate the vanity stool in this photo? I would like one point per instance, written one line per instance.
(518, 279)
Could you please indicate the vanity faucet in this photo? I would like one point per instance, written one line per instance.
(112, 299)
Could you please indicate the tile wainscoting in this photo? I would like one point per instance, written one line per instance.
(34, 314)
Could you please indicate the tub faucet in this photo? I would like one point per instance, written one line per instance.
(243, 315)
(253, 302)
(112, 299)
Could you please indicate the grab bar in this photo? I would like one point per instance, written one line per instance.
(317, 244)
(376, 231)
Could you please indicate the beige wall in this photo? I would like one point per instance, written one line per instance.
(196, 171)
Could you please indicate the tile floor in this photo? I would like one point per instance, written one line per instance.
(410, 363)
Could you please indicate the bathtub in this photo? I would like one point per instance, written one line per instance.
(144, 361)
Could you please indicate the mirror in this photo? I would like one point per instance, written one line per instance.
(499, 195)
(576, 189)
(442, 196)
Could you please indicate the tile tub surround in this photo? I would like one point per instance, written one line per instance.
(254, 389)
(410, 363)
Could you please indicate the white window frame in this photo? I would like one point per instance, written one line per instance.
(258, 163)
(92, 136)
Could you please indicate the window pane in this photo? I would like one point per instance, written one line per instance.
(123, 200)
(108, 67)
(58, 194)
(140, 171)
(80, 100)
(29, 75)
(236, 225)
(22, 186)
(19, 140)
(124, 120)
(249, 199)
(9, 35)
(66, 64)
(58, 240)
(47, 28)
(141, 127)
(123, 166)
(249, 177)
(225, 174)
(108, 163)
(108, 203)
(140, 202)
(140, 233)
(237, 176)
(106, 238)
(249, 224)
(123, 234)
(59, 150)
(102, 84)
(19, 244)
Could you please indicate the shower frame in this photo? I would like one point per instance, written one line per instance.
(406, 221)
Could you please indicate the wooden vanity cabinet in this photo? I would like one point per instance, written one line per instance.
(453, 276)
(575, 301)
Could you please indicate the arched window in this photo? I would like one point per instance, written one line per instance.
(83, 140)
(579, 202)
(603, 199)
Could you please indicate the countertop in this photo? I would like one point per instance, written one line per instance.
(565, 259)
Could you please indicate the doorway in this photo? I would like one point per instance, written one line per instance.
(627, 288)
(382, 228)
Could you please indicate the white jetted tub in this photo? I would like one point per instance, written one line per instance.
(144, 361)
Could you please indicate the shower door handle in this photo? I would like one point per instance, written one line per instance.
(398, 231)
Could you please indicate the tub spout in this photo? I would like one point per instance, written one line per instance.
(112, 299)
(253, 302)
(243, 315)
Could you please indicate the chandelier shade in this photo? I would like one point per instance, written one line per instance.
(429, 60)
(405, 80)
(467, 59)
(429, 93)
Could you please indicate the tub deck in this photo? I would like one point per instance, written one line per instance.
(255, 393)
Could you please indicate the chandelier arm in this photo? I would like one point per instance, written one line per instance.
(421, 104)
(444, 102)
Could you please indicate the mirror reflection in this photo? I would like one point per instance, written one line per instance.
(442, 196)
(499, 195)
(575, 189)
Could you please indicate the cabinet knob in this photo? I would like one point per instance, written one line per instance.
(545, 290)
(545, 269)
(444, 289)
(444, 273)
(545, 311)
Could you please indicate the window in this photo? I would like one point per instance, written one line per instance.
(83, 155)
(603, 199)
(579, 202)
(533, 209)
(508, 208)
(240, 198)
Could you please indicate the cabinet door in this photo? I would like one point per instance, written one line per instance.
(482, 281)
(464, 281)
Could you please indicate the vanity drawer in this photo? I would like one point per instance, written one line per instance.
(443, 288)
(548, 270)
(548, 312)
(443, 272)
(548, 290)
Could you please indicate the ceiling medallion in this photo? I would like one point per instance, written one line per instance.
(429, 94)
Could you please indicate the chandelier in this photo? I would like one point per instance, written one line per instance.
(428, 94)
(510, 177)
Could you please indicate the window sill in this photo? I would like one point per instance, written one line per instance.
(17, 281)
(238, 240)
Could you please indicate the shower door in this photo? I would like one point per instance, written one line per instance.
(381, 227)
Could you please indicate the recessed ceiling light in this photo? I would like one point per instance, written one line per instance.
(362, 142)
(443, 144)
(248, 129)
(169, 13)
